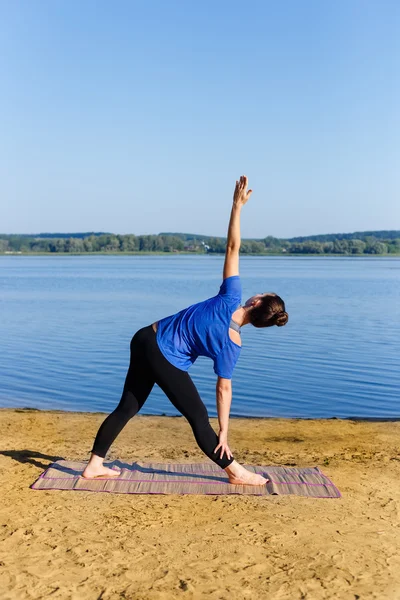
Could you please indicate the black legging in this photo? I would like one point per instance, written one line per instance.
(147, 367)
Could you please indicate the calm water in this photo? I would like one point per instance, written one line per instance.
(66, 324)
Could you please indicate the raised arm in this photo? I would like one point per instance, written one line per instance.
(240, 197)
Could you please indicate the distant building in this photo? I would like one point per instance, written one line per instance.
(195, 247)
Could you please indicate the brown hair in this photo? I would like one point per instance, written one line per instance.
(270, 311)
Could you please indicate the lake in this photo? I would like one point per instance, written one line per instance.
(66, 323)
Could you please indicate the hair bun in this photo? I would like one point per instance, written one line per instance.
(281, 318)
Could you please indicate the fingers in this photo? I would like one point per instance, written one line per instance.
(216, 449)
(222, 450)
(240, 189)
(242, 182)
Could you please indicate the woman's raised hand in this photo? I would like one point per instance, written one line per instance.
(241, 195)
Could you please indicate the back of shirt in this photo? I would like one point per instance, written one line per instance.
(202, 329)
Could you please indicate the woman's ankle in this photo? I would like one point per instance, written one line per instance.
(232, 468)
(96, 460)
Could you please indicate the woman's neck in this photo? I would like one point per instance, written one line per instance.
(241, 316)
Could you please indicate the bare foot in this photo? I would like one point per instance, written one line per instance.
(100, 472)
(238, 475)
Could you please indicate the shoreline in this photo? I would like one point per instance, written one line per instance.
(163, 415)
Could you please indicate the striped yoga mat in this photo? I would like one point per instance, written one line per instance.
(187, 478)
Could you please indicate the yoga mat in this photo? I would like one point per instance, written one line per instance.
(196, 478)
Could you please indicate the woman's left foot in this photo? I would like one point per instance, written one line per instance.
(100, 473)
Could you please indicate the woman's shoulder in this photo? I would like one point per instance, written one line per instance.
(230, 285)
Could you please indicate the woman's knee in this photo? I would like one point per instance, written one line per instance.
(128, 407)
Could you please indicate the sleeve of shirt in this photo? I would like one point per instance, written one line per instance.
(231, 288)
(225, 361)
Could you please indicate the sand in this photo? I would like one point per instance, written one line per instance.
(83, 545)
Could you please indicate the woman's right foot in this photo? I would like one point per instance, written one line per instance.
(238, 475)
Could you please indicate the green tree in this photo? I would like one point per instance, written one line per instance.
(112, 243)
(393, 247)
(327, 247)
(59, 245)
(129, 243)
(87, 245)
(144, 243)
(3, 245)
(356, 246)
(341, 247)
(272, 244)
(374, 247)
(94, 242)
(74, 245)
(216, 244)
(380, 248)
(257, 247)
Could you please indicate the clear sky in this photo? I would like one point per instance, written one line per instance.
(138, 116)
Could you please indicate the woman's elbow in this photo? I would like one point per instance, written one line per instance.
(224, 385)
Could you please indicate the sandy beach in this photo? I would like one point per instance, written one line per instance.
(83, 545)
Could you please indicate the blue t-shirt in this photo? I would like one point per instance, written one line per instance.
(202, 329)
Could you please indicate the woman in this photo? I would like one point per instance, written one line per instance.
(163, 352)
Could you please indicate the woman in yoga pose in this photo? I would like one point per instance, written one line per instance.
(163, 352)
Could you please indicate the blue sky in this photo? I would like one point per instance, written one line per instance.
(138, 117)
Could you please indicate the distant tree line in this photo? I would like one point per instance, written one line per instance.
(362, 243)
(358, 235)
(92, 243)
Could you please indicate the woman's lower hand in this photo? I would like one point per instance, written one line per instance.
(223, 445)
